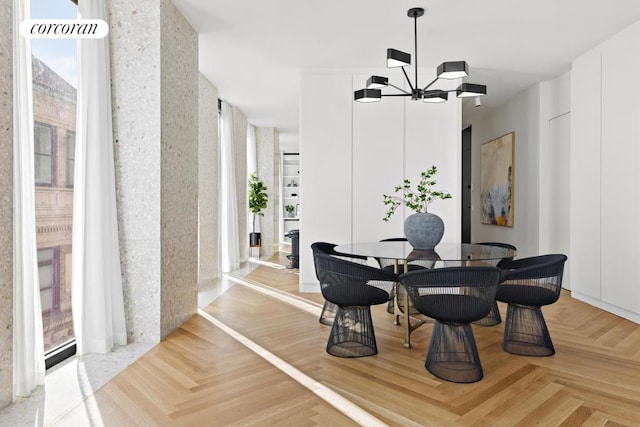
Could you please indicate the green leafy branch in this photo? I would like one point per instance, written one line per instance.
(417, 200)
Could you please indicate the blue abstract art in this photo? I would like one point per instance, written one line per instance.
(496, 181)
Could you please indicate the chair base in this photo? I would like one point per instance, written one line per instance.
(453, 354)
(328, 313)
(352, 333)
(526, 333)
(491, 319)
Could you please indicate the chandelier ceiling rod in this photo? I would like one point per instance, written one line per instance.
(446, 70)
(416, 12)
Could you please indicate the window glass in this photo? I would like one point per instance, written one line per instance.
(45, 273)
(70, 145)
(54, 64)
(43, 150)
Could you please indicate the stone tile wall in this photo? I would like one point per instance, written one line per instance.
(242, 181)
(266, 138)
(179, 168)
(136, 97)
(208, 162)
(154, 56)
(6, 203)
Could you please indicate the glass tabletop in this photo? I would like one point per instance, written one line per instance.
(442, 252)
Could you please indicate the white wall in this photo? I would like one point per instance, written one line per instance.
(520, 115)
(353, 153)
(555, 157)
(595, 107)
(604, 175)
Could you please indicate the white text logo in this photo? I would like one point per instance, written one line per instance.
(64, 28)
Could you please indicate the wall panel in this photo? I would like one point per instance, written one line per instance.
(620, 231)
(585, 174)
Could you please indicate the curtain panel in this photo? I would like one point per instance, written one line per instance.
(28, 341)
(229, 234)
(97, 299)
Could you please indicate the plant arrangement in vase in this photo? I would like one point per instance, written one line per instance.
(258, 199)
(422, 229)
(290, 209)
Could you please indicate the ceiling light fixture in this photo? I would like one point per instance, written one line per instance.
(446, 70)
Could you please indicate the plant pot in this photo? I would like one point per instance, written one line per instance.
(423, 230)
(255, 239)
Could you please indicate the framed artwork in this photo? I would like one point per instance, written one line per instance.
(496, 181)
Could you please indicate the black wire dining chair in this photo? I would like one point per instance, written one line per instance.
(454, 297)
(527, 284)
(328, 308)
(354, 288)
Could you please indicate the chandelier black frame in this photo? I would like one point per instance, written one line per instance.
(446, 70)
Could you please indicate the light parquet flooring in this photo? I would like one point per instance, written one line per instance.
(201, 376)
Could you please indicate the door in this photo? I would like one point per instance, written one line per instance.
(466, 186)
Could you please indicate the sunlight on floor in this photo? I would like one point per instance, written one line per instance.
(74, 381)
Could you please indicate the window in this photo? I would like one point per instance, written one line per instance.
(43, 150)
(69, 158)
(54, 109)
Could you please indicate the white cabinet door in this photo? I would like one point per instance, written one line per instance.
(585, 174)
(620, 204)
(378, 152)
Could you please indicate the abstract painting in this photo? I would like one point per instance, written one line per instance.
(496, 181)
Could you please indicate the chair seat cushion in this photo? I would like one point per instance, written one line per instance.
(452, 307)
(526, 295)
(355, 295)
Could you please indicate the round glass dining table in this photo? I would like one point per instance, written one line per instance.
(444, 254)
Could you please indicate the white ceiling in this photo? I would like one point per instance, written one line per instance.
(254, 51)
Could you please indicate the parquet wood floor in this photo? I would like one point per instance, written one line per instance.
(201, 376)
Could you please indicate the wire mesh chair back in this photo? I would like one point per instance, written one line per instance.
(532, 281)
(329, 309)
(346, 283)
(453, 294)
(388, 263)
(329, 249)
(494, 317)
(500, 245)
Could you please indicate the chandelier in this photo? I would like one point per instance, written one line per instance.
(446, 70)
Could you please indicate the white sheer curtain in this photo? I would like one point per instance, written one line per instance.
(97, 301)
(28, 341)
(229, 235)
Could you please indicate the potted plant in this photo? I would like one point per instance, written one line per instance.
(258, 199)
(422, 229)
(289, 209)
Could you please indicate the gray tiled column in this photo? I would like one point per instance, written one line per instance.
(266, 140)
(242, 181)
(6, 203)
(154, 62)
(208, 161)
